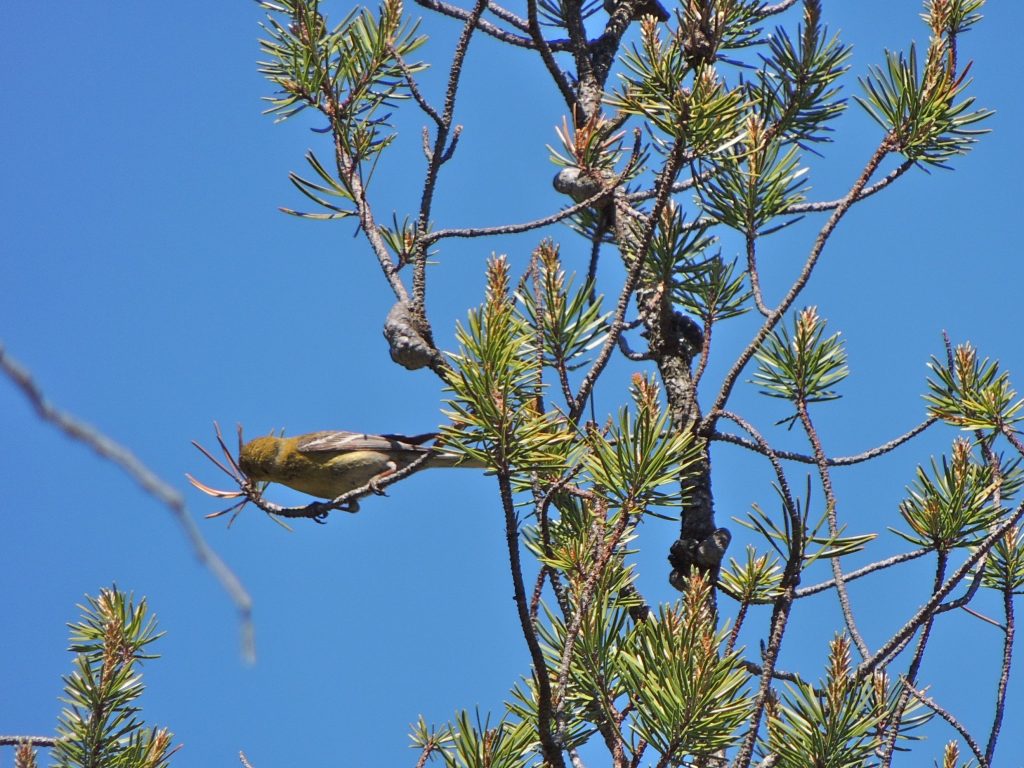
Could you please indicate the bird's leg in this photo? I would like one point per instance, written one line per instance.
(375, 480)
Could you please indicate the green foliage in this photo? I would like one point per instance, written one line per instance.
(712, 293)
(688, 697)
(593, 679)
(683, 101)
(569, 321)
(972, 393)
(796, 88)
(956, 504)
(711, 28)
(755, 183)
(792, 538)
(321, 192)
(917, 105)
(100, 724)
(496, 387)
(802, 368)
(952, 17)
(757, 580)
(349, 73)
(704, 285)
(1004, 568)
(639, 454)
(468, 744)
(593, 147)
(840, 725)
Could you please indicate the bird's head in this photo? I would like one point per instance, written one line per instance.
(257, 457)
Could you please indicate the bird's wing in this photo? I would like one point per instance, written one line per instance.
(335, 441)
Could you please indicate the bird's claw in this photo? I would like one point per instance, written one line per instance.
(374, 483)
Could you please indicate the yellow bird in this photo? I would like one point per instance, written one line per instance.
(331, 463)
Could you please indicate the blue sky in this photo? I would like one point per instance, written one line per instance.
(151, 286)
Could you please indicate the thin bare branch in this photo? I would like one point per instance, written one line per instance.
(506, 15)
(864, 571)
(752, 273)
(146, 479)
(414, 89)
(550, 748)
(513, 229)
(770, 10)
(35, 741)
(833, 524)
(441, 152)
(839, 461)
(892, 729)
(679, 186)
(982, 617)
(546, 52)
(778, 674)
(453, 11)
(1004, 674)
(364, 211)
(773, 458)
(830, 205)
(783, 604)
(946, 715)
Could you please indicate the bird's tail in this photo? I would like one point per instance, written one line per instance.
(446, 458)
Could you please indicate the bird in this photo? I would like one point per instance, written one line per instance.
(331, 463)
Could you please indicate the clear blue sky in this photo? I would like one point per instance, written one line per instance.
(151, 286)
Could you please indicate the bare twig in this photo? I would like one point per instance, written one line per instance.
(830, 205)
(982, 617)
(770, 10)
(946, 715)
(892, 729)
(150, 483)
(414, 89)
(547, 56)
(779, 621)
(35, 741)
(441, 152)
(778, 674)
(506, 15)
(550, 748)
(773, 458)
(833, 524)
(838, 461)
(679, 186)
(1004, 673)
(783, 604)
(512, 229)
(453, 11)
(864, 571)
(755, 279)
